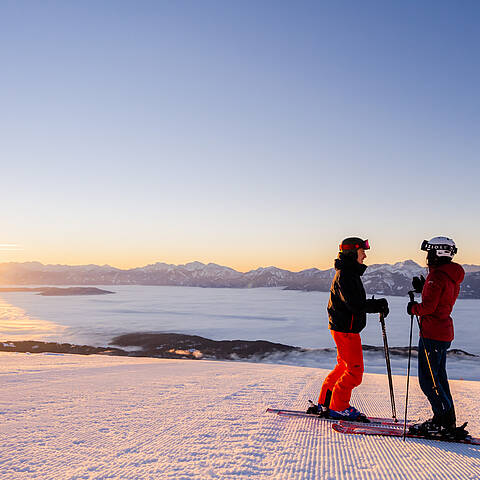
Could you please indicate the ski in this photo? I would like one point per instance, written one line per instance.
(300, 413)
(392, 431)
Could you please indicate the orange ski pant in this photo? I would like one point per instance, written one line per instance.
(348, 372)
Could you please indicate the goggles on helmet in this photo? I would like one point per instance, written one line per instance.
(355, 246)
(427, 246)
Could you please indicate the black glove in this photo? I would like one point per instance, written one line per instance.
(418, 283)
(383, 307)
(380, 306)
(410, 306)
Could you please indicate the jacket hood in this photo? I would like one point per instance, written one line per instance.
(454, 271)
(344, 262)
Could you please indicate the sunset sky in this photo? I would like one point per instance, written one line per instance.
(248, 133)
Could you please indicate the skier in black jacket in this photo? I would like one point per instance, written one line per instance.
(347, 312)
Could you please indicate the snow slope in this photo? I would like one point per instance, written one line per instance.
(72, 417)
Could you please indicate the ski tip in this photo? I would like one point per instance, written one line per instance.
(338, 427)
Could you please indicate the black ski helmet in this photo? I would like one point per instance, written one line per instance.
(350, 246)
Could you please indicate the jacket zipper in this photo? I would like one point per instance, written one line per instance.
(351, 323)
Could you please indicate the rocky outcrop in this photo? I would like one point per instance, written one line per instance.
(176, 345)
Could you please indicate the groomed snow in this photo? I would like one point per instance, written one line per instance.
(70, 417)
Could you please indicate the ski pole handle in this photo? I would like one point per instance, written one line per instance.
(411, 294)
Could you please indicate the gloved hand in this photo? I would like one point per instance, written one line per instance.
(383, 307)
(418, 283)
(380, 305)
(410, 306)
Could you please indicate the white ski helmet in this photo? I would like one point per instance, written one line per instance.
(442, 246)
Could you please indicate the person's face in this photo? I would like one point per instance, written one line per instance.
(361, 255)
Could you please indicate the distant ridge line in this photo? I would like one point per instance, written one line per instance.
(383, 279)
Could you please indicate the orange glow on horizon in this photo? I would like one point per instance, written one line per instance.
(241, 259)
(240, 265)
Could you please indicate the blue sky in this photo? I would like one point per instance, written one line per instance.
(243, 133)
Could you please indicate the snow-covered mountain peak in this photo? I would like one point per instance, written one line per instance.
(270, 269)
(471, 268)
(213, 267)
(407, 268)
(192, 266)
(156, 267)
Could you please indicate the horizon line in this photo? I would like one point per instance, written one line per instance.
(198, 262)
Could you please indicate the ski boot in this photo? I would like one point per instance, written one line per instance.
(450, 430)
(460, 433)
(350, 414)
(429, 428)
(319, 410)
(441, 427)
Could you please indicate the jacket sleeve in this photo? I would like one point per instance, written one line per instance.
(432, 291)
(350, 294)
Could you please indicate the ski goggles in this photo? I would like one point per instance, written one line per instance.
(426, 246)
(355, 246)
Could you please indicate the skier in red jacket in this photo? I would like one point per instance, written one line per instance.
(439, 292)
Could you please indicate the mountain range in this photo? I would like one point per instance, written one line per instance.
(380, 279)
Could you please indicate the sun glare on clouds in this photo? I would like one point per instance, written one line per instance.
(16, 324)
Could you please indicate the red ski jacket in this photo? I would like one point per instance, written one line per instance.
(438, 298)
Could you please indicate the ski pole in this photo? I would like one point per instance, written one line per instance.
(435, 388)
(389, 370)
(408, 370)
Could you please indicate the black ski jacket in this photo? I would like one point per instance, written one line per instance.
(348, 305)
